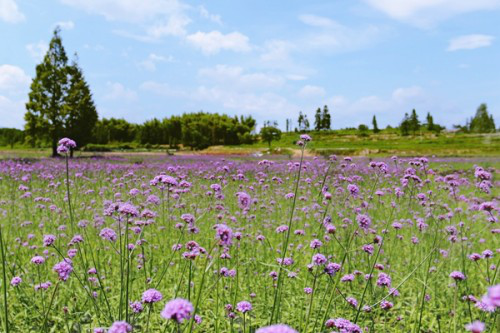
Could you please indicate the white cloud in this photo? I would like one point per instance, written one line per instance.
(470, 42)
(336, 37)
(65, 25)
(163, 89)
(37, 50)
(119, 92)
(277, 51)
(209, 16)
(388, 110)
(12, 112)
(426, 12)
(161, 17)
(317, 21)
(9, 12)
(215, 41)
(266, 106)
(13, 79)
(236, 78)
(150, 63)
(310, 91)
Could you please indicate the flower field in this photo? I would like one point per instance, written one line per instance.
(214, 244)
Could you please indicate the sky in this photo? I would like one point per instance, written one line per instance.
(266, 58)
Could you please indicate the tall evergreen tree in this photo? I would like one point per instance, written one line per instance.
(404, 127)
(306, 123)
(300, 120)
(79, 108)
(414, 122)
(375, 125)
(326, 119)
(45, 114)
(60, 102)
(430, 122)
(482, 121)
(318, 121)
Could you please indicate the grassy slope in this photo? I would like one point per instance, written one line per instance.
(346, 142)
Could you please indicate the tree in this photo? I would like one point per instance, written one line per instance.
(430, 122)
(300, 120)
(10, 136)
(414, 122)
(363, 130)
(375, 125)
(318, 121)
(326, 119)
(482, 121)
(78, 108)
(44, 116)
(405, 125)
(60, 103)
(269, 134)
(306, 123)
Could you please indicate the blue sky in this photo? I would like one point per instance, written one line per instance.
(269, 59)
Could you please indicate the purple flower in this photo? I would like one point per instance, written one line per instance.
(475, 327)
(63, 269)
(305, 138)
(151, 296)
(108, 234)
(225, 234)
(244, 306)
(16, 280)
(128, 209)
(66, 142)
(386, 305)
(457, 276)
(120, 327)
(48, 240)
(178, 309)
(492, 298)
(38, 260)
(344, 325)
(384, 280)
(278, 328)
(364, 221)
(136, 307)
(319, 259)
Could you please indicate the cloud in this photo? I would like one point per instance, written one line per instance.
(309, 91)
(332, 36)
(13, 79)
(470, 42)
(65, 25)
(119, 92)
(209, 16)
(9, 12)
(425, 13)
(12, 112)
(265, 106)
(37, 50)
(317, 21)
(236, 78)
(163, 89)
(389, 110)
(160, 17)
(150, 63)
(215, 41)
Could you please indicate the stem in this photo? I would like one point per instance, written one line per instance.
(4, 284)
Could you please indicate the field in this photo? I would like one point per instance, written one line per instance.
(156, 243)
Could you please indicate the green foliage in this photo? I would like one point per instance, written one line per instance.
(375, 125)
(363, 130)
(60, 103)
(11, 136)
(405, 126)
(482, 121)
(269, 134)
